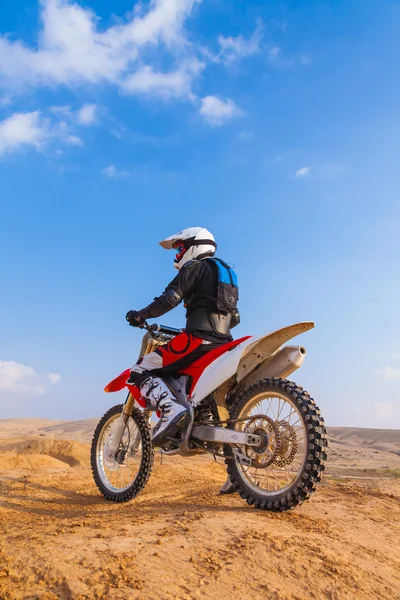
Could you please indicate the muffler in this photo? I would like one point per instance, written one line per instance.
(281, 364)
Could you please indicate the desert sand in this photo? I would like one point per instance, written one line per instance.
(180, 540)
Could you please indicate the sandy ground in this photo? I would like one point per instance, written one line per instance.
(179, 539)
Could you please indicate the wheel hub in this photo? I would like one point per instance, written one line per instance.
(111, 461)
(261, 449)
(264, 454)
(120, 455)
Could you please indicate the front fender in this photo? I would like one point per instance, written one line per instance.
(118, 384)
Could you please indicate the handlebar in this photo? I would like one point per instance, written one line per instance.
(157, 331)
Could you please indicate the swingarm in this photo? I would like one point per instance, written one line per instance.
(206, 433)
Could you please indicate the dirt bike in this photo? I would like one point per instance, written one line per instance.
(242, 408)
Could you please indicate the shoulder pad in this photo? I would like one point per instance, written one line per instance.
(190, 264)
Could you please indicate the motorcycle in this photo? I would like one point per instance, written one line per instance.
(242, 408)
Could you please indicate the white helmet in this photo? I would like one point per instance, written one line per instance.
(191, 243)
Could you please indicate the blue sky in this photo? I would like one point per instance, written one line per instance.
(274, 125)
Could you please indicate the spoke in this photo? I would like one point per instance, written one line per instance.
(273, 412)
(280, 409)
(276, 476)
(295, 423)
(121, 475)
(289, 415)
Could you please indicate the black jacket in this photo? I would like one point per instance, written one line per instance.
(196, 284)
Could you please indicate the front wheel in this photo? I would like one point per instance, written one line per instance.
(285, 469)
(121, 475)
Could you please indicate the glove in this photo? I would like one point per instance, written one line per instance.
(133, 319)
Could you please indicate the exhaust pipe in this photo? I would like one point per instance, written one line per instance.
(282, 364)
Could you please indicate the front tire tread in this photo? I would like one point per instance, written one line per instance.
(147, 456)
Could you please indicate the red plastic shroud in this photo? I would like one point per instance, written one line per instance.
(194, 371)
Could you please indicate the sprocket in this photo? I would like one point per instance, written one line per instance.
(288, 447)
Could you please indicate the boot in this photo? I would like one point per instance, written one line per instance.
(173, 415)
(227, 488)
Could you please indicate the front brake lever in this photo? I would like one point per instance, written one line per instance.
(151, 329)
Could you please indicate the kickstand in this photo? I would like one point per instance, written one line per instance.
(161, 456)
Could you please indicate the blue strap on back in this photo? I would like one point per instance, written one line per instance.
(225, 273)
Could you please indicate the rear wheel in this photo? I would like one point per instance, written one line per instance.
(286, 468)
(124, 474)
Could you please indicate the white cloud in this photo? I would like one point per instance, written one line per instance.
(236, 48)
(32, 129)
(18, 378)
(87, 115)
(12, 373)
(391, 373)
(274, 52)
(23, 129)
(73, 140)
(218, 112)
(54, 377)
(112, 172)
(72, 49)
(303, 172)
(167, 85)
(62, 111)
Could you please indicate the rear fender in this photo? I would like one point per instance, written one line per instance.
(242, 360)
(263, 349)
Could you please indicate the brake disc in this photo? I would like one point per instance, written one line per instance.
(264, 455)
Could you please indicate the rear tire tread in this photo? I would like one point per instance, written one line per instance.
(306, 482)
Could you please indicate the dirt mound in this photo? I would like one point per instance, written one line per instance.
(59, 451)
(387, 440)
(28, 462)
(79, 431)
(26, 426)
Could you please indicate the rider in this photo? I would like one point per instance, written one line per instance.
(206, 325)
